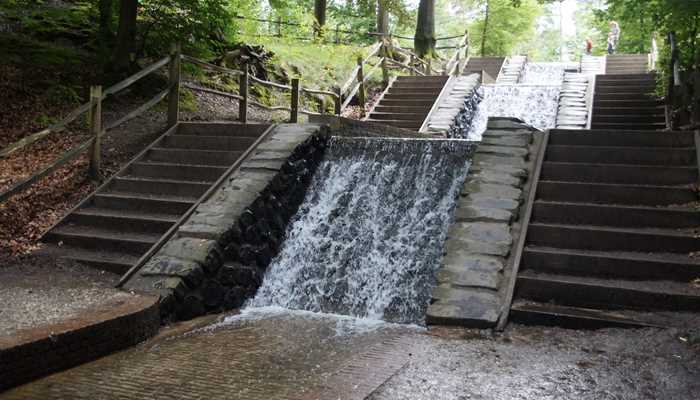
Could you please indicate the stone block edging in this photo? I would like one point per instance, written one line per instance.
(471, 283)
(36, 352)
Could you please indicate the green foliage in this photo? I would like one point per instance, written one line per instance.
(507, 27)
(61, 95)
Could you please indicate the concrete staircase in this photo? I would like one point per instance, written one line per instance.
(127, 215)
(408, 101)
(491, 67)
(627, 102)
(612, 232)
(626, 64)
(512, 69)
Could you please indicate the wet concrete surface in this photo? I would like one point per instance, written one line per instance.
(277, 355)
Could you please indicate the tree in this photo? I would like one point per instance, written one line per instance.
(424, 40)
(126, 36)
(320, 15)
(504, 26)
(382, 17)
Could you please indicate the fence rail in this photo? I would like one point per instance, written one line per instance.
(93, 144)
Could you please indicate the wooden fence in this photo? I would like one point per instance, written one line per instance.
(378, 58)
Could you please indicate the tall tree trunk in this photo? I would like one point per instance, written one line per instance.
(382, 17)
(126, 36)
(105, 34)
(424, 40)
(320, 15)
(486, 27)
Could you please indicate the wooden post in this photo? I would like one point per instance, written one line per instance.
(361, 80)
(279, 26)
(429, 67)
(243, 91)
(338, 102)
(95, 121)
(337, 34)
(174, 82)
(459, 61)
(385, 70)
(411, 62)
(695, 96)
(294, 117)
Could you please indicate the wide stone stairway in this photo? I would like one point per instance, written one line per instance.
(127, 215)
(613, 233)
(408, 101)
(627, 102)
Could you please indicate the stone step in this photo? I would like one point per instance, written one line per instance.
(427, 92)
(381, 108)
(410, 97)
(629, 103)
(143, 202)
(185, 172)
(421, 79)
(605, 294)
(601, 88)
(402, 102)
(528, 312)
(123, 220)
(622, 95)
(162, 187)
(196, 157)
(628, 119)
(221, 129)
(605, 193)
(628, 125)
(624, 110)
(644, 77)
(413, 125)
(117, 263)
(200, 142)
(676, 156)
(398, 116)
(95, 238)
(602, 238)
(618, 173)
(578, 213)
(614, 265)
(620, 138)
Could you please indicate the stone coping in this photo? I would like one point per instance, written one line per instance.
(96, 332)
(471, 285)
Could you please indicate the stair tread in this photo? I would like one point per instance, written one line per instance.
(680, 233)
(144, 179)
(662, 258)
(126, 213)
(94, 255)
(621, 148)
(145, 196)
(168, 164)
(173, 149)
(76, 230)
(604, 184)
(687, 209)
(617, 317)
(587, 164)
(663, 287)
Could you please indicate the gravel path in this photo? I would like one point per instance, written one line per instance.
(39, 290)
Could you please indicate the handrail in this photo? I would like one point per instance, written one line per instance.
(82, 109)
(96, 130)
(673, 79)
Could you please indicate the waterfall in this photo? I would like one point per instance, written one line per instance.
(536, 105)
(367, 240)
(549, 73)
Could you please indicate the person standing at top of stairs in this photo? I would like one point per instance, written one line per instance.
(613, 37)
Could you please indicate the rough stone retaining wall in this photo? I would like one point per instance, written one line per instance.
(36, 352)
(470, 288)
(454, 113)
(218, 257)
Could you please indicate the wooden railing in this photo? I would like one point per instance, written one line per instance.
(454, 64)
(673, 80)
(96, 128)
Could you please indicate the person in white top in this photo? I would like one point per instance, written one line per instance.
(613, 37)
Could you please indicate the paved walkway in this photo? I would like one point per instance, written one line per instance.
(302, 356)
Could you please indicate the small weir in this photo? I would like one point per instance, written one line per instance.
(367, 240)
(536, 105)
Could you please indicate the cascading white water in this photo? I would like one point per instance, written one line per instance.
(550, 73)
(367, 240)
(536, 105)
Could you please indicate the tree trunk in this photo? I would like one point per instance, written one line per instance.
(126, 36)
(105, 29)
(382, 18)
(424, 40)
(486, 26)
(320, 15)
